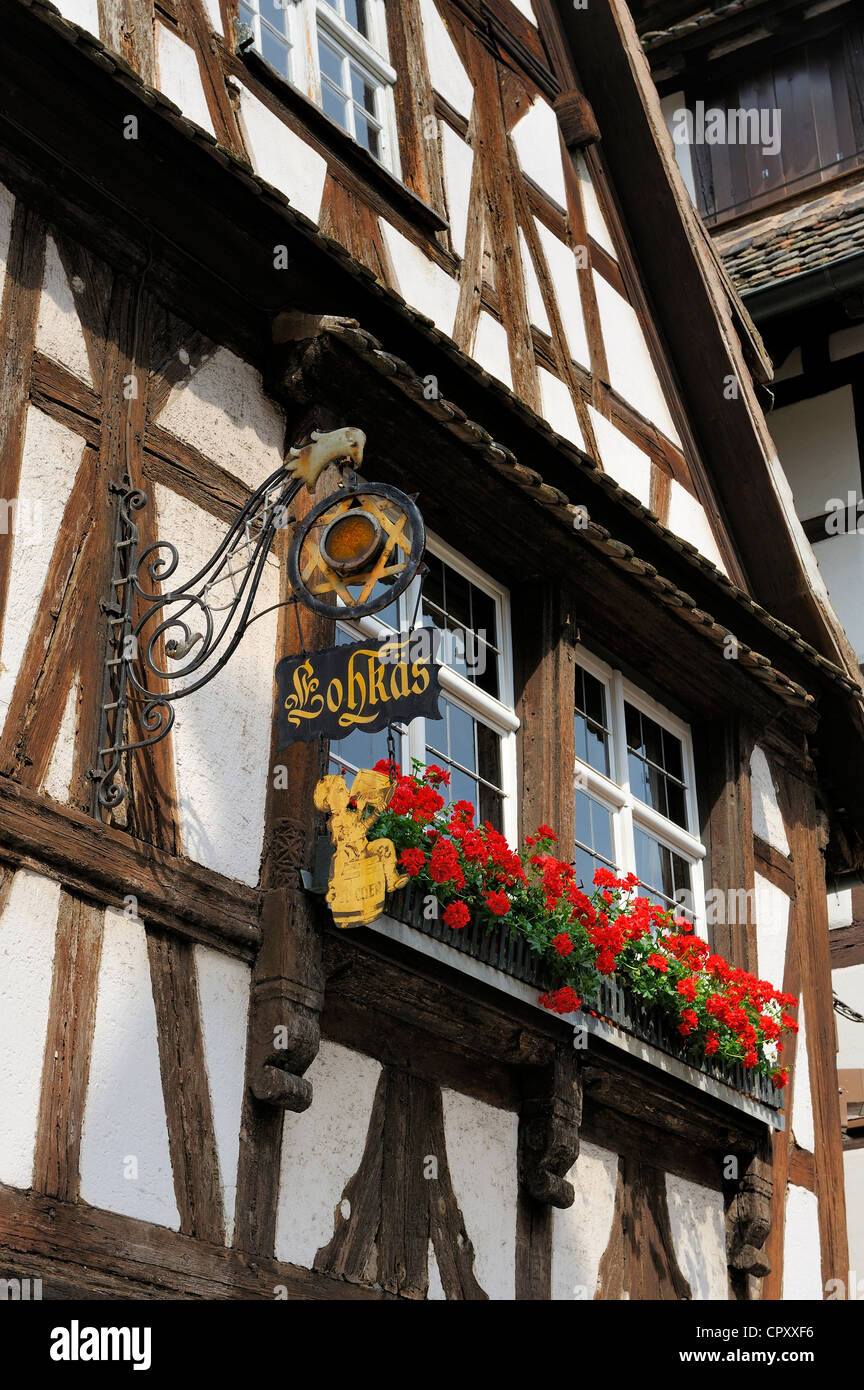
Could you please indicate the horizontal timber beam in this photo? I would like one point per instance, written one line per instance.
(107, 866)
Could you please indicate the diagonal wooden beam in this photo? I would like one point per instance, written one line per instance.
(19, 311)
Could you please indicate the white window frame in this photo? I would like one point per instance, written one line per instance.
(613, 792)
(497, 714)
(371, 55)
(289, 9)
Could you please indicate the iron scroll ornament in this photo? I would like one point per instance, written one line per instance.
(165, 646)
(397, 541)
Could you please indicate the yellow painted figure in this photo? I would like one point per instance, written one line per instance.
(362, 873)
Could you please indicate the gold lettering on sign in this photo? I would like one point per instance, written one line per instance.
(305, 703)
(363, 872)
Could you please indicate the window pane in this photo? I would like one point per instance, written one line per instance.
(275, 14)
(456, 606)
(275, 51)
(593, 838)
(358, 750)
(331, 62)
(655, 763)
(335, 106)
(662, 873)
(355, 13)
(363, 91)
(471, 752)
(592, 737)
(366, 133)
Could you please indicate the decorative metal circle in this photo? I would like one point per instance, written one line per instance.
(352, 542)
(352, 565)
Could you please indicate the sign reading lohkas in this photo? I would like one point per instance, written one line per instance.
(365, 685)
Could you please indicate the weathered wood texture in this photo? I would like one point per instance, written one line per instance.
(106, 866)
(722, 755)
(544, 635)
(639, 1261)
(401, 1198)
(68, 1040)
(191, 1136)
(81, 1252)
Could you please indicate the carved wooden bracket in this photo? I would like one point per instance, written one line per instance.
(576, 119)
(286, 1002)
(549, 1122)
(748, 1220)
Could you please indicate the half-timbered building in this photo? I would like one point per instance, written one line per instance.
(458, 227)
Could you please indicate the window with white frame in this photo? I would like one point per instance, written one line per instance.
(271, 23)
(476, 739)
(336, 52)
(634, 791)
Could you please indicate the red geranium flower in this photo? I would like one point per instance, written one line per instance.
(457, 915)
(498, 903)
(712, 1042)
(780, 1078)
(562, 944)
(545, 832)
(687, 989)
(563, 1001)
(658, 962)
(412, 861)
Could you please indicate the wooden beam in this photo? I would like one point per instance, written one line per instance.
(776, 867)
(723, 758)
(194, 18)
(847, 945)
(127, 27)
(191, 1136)
(19, 311)
(106, 865)
(68, 1041)
(80, 1251)
(544, 633)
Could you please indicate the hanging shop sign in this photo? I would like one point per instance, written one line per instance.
(365, 685)
(363, 871)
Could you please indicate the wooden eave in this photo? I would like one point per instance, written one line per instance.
(677, 269)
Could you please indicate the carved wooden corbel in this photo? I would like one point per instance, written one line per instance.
(748, 1221)
(576, 120)
(549, 1120)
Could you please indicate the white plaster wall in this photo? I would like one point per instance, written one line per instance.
(853, 1166)
(621, 458)
(281, 157)
(27, 930)
(124, 1114)
(445, 66)
(849, 986)
(7, 207)
(223, 993)
(481, 1152)
(179, 77)
(840, 908)
(688, 520)
(52, 454)
(818, 449)
(802, 1251)
(222, 732)
(536, 307)
(630, 367)
(435, 1291)
(562, 268)
(83, 12)
(58, 329)
(841, 565)
(422, 283)
(581, 1233)
(458, 158)
(594, 219)
(558, 407)
(802, 1099)
(59, 774)
(214, 15)
(698, 1223)
(492, 349)
(767, 817)
(223, 410)
(538, 145)
(772, 926)
(322, 1149)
